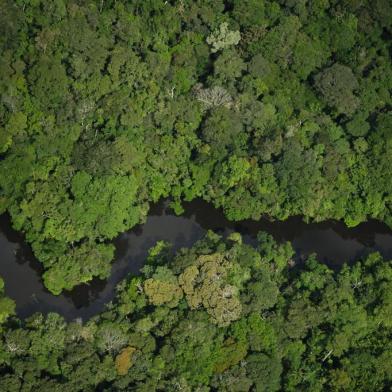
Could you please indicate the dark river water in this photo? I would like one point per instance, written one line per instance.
(333, 242)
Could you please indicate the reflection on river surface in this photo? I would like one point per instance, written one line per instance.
(332, 241)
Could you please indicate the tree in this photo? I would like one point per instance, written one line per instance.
(212, 97)
(337, 85)
(7, 305)
(78, 264)
(110, 338)
(163, 288)
(204, 284)
(223, 38)
(124, 360)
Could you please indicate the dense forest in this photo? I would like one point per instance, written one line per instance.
(260, 107)
(220, 316)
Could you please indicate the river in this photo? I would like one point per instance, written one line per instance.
(333, 242)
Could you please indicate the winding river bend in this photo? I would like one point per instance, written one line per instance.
(331, 240)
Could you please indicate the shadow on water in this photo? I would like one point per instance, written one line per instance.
(333, 242)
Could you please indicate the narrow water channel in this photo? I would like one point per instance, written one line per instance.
(333, 242)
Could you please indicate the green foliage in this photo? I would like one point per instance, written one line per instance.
(337, 85)
(108, 106)
(223, 38)
(7, 305)
(163, 288)
(80, 264)
(302, 328)
(260, 107)
(205, 284)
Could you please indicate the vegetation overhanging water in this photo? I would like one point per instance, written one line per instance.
(333, 242)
